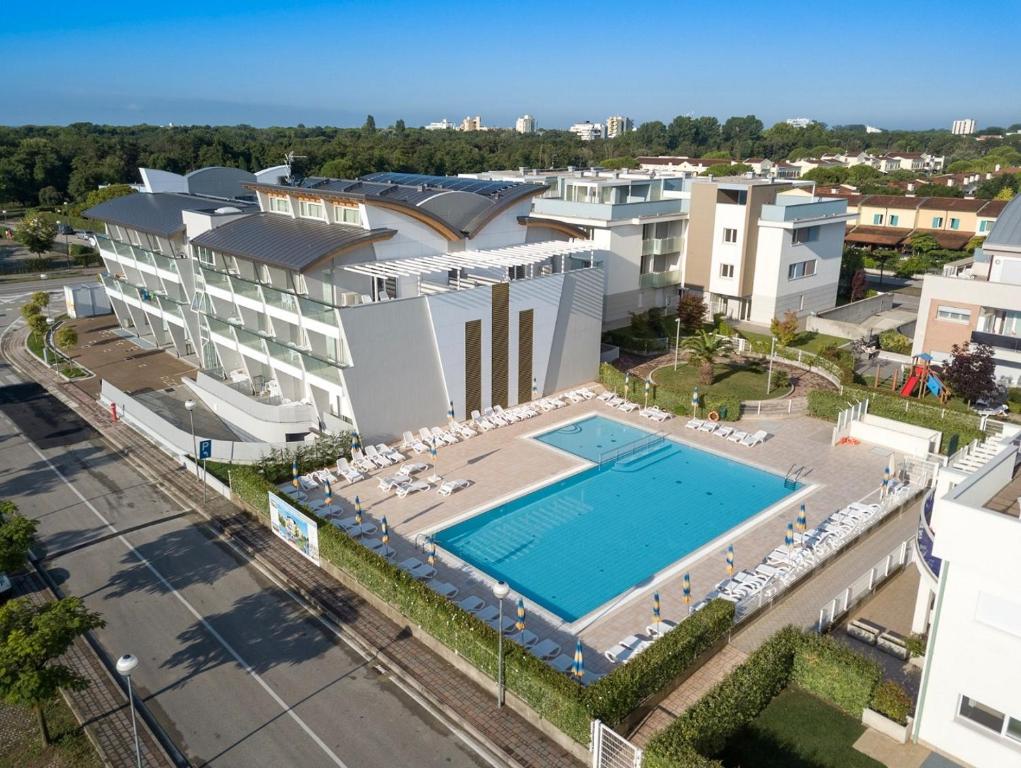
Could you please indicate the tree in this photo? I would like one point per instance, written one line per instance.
(30, 310)
(35, 233)
(785, 329)
(859, 283)
(32, 639)
(50, 196)
(691, 311)
(66, 336)
(97, 196)
(726, 169)
(922, 243)
(975, 242)
(971, 372)
(369, 127)
(40, 298)
(17, 535)
(38, 324)
(400, 127)
(705, 348)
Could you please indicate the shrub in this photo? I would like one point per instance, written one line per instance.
(893, 341)
(891, 700)
(834, 672)
(728, 406)
(628, 685)
(781, 379)
(916, 644)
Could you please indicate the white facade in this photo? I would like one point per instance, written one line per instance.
(587, 131)
(441, 125)
(964, 127)
(471, 123)
(525, 124)
(618, 125)
(799, 122)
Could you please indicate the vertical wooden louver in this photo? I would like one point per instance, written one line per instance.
(525, 325)
(501, 325)
(472, 367)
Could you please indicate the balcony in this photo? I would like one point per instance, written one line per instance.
(797, 211)
(609, 211)
(997, 341)
(657, 246)
(928, 562)
(659, 279)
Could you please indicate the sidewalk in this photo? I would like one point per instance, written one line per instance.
(463, 703)
(102, 707)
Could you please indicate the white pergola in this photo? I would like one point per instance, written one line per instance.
(496, 258)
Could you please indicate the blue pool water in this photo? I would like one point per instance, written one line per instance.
(579, 542)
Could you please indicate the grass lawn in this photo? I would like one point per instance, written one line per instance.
(798, 730)
(20, 745)
(745, 380)
(809, 341)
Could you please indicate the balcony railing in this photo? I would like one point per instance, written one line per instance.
(610, 211)
(996, 340)
(660, 279)
(924, 541)
(660, 245)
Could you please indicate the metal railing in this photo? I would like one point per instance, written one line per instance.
(632, 448)
(864, 585)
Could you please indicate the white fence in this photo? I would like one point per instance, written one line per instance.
(611, 750)
(864, 585)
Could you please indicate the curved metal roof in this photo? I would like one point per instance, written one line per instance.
(1007, 229)
(157, 213)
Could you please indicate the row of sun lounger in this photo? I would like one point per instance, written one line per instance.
(729, 433)
(632, 645)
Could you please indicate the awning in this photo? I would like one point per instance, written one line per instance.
(889, 236)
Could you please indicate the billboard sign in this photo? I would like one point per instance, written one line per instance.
(293, 527)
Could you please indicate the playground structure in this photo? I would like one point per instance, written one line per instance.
(921, 378)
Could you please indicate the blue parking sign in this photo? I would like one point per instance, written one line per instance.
(205, 449)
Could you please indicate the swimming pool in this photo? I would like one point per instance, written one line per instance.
(577, 543)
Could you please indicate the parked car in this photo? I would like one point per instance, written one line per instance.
(989, 408)
(65, 229)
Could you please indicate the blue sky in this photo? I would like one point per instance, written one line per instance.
(897, 64)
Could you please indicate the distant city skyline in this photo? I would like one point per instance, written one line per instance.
(192, 63)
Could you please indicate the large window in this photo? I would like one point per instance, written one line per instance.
(955, 223)
(894, 219)
(726, 270)
(310, 210)
(205, 256)
(953, 314)
(280, 205)
(877, 219)
(729, 235)
(804, 235)
(984, 225)
(937, 222)
(345, 214)
(801, 269)
(992, 719)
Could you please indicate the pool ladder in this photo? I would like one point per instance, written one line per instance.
(790, 480)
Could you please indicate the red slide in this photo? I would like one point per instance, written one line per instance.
(909, 386)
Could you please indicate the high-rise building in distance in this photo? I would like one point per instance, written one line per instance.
(964, 127)
(617, 125)
(525, 124)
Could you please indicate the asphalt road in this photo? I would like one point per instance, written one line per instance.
(233, 668)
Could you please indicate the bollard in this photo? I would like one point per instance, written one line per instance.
(113, 411)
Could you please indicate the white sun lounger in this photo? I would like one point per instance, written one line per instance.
(573, 396)
(361, 462)
(325, 476)
(737, 436)
(376, 457)
(723, 431)
(442, 436)
(660, 628)
(545, 649)
(491, 615)
(525, 638)
(410, 441)
(411, 468)
(707, 426)
(472, 603)
(390, 482)
(490, 414)
(484, 424)
(654, 413)
(444, 589)
(755, 439)
(627, 406)
(308, 482)
(404, 489)
(350, 527)
(507, 416)
(417, 568)
(450, 486)
(391, 453)
(380, 548)
(614, 402)
(694, 423)
(463, 430)
(427, 437)
(606, 396)
(348, 472)
(585, 392)
(295, 494)
(628, 643)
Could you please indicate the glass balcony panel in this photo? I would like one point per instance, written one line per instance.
(284, 353)
(280, 299)
(322, 369)
(215, 279)
(220, 327)
(315, 310)
(246, 289)
(250, 340)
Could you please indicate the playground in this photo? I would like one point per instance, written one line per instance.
(922, 378)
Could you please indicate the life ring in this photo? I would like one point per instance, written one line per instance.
(713, 416)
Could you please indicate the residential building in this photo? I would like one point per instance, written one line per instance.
(913, 161)
(618, 125)
(678, 164)
(374, 304)
(980, 303)
(969, 538)
(442, 125)
(758, 247)
(799, 122)
(964, 127)
(587, 131)
(471, 123)
(525, 124)
(766, 168)
(889, 221)
(872, 129)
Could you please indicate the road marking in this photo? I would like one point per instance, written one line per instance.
(188, 606)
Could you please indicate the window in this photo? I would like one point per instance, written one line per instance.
(984, 225)
(894, 218)
(1014, 728)
(978, 713)
(805, 235)
(205, 256)
(955, 223)
(280, 205)
(877, 218)
(729, 235)
(344, 214)
(310, 210)
(937, 222)
(801, 269)
(953, 314)
(726, 270)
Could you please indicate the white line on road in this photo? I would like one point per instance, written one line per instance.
(219, 638)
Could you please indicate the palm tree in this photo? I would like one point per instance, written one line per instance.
(705, 348)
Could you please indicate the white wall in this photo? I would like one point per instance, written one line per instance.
(727, 217)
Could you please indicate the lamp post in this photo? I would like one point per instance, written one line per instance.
(125, 666)
(46, 336)
(677, 341)
(189, 406)
(769, 376)
(500, 590)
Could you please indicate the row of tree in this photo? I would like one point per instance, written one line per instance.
(48, 165)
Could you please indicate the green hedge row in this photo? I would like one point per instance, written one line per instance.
(958, 428)
(834, 672)
(820, 665)
(727, 406)
(557, 698)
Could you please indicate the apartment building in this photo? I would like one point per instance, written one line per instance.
(618, 125)
(890, 221)
(969, 538)
(471, 123)
(678, 164)
(980, 304)
(588, 131)
(757, 248)
(525, 124)
(374, 304)
(440, 125)
(964, 127)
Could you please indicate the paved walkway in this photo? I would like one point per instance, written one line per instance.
(463, 703)
(102, 707)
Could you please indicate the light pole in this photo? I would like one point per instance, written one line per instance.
(46, 346)
(125, 666)
(189, 406)
(500, 590)
(769, 376)
(677, 341)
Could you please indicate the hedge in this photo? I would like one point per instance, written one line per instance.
(618, 694)
(553, 695)
(891, 700)
(834, 672)
(727, 406)
(958, 428)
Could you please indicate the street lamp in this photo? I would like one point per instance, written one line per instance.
(677, 341)
(189, 405)
(125, 666)
(46, 338)
(500, 590)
